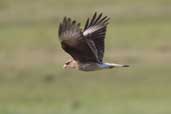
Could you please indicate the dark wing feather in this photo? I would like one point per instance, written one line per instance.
(74, 43)
(95, 30)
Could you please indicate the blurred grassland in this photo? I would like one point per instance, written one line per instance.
(32, 80)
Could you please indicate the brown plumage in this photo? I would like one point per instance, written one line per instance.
(85, 46)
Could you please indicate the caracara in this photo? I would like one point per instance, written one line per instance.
(86, 47)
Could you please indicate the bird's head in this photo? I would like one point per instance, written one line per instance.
(71, 64)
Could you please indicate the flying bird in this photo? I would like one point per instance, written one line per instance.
(86, 47)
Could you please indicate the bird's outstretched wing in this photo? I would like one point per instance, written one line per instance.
(94, 31)
(74, 43)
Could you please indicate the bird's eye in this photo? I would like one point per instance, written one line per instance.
(67, 63)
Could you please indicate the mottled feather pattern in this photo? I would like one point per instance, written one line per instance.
(86, 47)
(73, 42)
(69, 29)
(89, 46)
(95, 29)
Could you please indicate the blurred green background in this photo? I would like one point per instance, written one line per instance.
(32, 80)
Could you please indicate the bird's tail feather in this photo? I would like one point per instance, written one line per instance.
(113, 65)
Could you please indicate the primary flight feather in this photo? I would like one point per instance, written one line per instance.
(86, 47)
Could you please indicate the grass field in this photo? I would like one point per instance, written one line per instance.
(32, 80)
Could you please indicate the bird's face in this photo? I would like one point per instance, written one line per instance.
(71, 65)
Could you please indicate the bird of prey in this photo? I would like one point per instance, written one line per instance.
(86, 47)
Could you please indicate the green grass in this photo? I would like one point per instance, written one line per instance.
(32, 80)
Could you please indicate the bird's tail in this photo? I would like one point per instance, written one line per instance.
(113, 65)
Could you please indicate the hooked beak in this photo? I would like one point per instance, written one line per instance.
(65, 66)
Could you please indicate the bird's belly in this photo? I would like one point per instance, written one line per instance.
(89, 67)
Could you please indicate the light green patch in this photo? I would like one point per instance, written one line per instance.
(32, 80)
